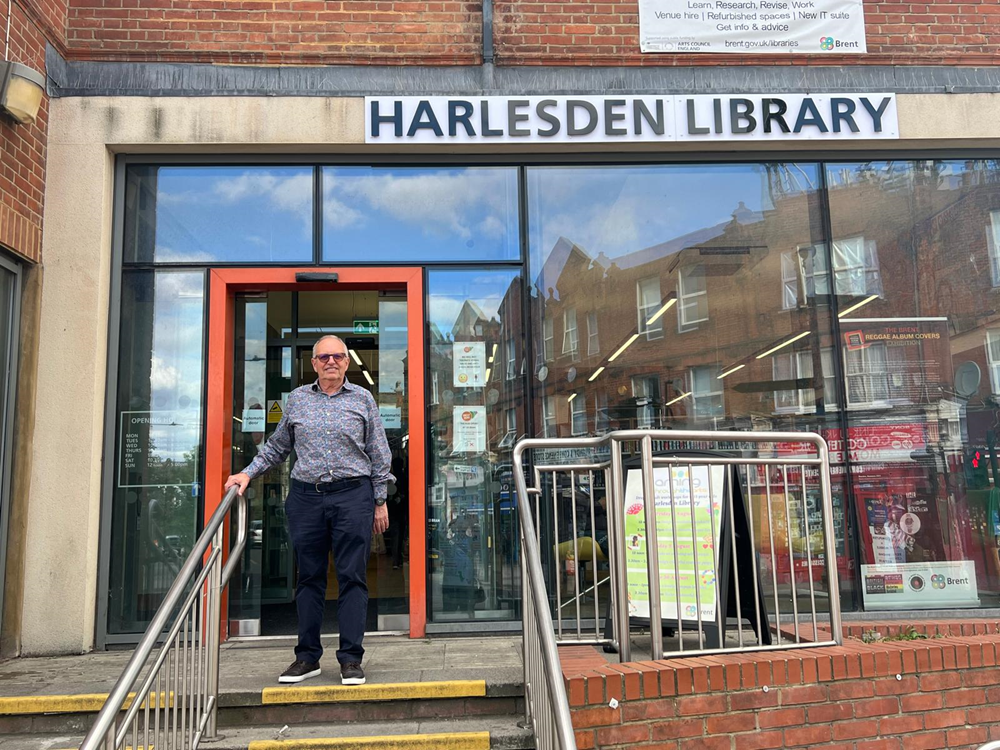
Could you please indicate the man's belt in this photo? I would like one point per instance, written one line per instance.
(324, 488)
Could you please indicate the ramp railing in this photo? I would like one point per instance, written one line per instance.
(743, 523)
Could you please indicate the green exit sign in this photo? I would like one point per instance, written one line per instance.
(366, 326)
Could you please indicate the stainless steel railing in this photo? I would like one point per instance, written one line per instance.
(785, 507)
(546, 704)
(168, 698)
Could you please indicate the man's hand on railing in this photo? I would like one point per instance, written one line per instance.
(241, 480)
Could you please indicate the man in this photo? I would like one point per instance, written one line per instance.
(337, 500)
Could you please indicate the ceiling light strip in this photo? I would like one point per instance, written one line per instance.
(855, 306)
(730, 371)
(623, 347)
(658, 313)
(784, 344)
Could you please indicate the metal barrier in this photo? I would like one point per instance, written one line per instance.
(546, 704)
(781, 482)
(170, 700)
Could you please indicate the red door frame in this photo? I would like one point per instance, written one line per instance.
(223, 285)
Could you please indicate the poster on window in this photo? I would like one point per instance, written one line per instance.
(469, 364)
(687, 556)
(920, 585)
(821, 27)
(895, 361)
(469, 429)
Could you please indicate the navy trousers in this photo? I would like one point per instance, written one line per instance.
(340, 520)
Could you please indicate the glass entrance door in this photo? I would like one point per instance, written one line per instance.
(275, 332)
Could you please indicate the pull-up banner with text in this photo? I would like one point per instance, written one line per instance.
(630, 119)
(819, 27)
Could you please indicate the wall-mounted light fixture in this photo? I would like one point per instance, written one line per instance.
(21, 90)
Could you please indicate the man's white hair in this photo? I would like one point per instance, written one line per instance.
(329, 336)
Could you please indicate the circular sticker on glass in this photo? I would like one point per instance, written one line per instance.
(909, 523)
(571, 374)
(448, 397)
(543, 373)
(492, 396)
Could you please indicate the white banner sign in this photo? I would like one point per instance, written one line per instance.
(629, 119)
(752, 26)
(920, 585)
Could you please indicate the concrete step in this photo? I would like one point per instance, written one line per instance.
(308, 703)
(465, 733)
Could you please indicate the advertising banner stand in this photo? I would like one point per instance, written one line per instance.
(733, 581)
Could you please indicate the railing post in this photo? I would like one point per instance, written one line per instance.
(619, 578)
(653, 548)
(829, 542)
(213, 637)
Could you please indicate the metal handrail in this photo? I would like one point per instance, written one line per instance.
(546, 705)
(196, 648)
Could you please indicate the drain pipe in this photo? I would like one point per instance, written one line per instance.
(487, 32)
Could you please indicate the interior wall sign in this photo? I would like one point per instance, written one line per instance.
(630, 119)
(819, 27)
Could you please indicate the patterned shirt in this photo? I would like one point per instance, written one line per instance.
(334, 437)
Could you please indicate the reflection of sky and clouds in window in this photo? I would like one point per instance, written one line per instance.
(175, 375)
(617, 211)
(233, 214)
(449, 291)
(418, 214)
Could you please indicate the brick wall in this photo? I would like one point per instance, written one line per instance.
(22, 168)
(607, 33)
(448, 32)
(901, 695)
(445, 32)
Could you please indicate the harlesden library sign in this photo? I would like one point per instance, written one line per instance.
(629, 119)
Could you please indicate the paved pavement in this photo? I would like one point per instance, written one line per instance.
(247, 667)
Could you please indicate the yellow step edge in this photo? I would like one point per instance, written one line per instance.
(375, 692)
(444, 741)
(22, 705)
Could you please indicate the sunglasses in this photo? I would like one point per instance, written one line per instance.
(337, 357)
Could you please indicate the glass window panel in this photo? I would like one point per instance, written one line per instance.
(571, 337)
(578, 416)
(593, 340)
(789, 281)
(993, 243)
(549, 342)
(649, 301)
(921, 375)
(158, 457)
(693, 293)
(420, 214)
(718, 253)
(218, 214)
(472, 524)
